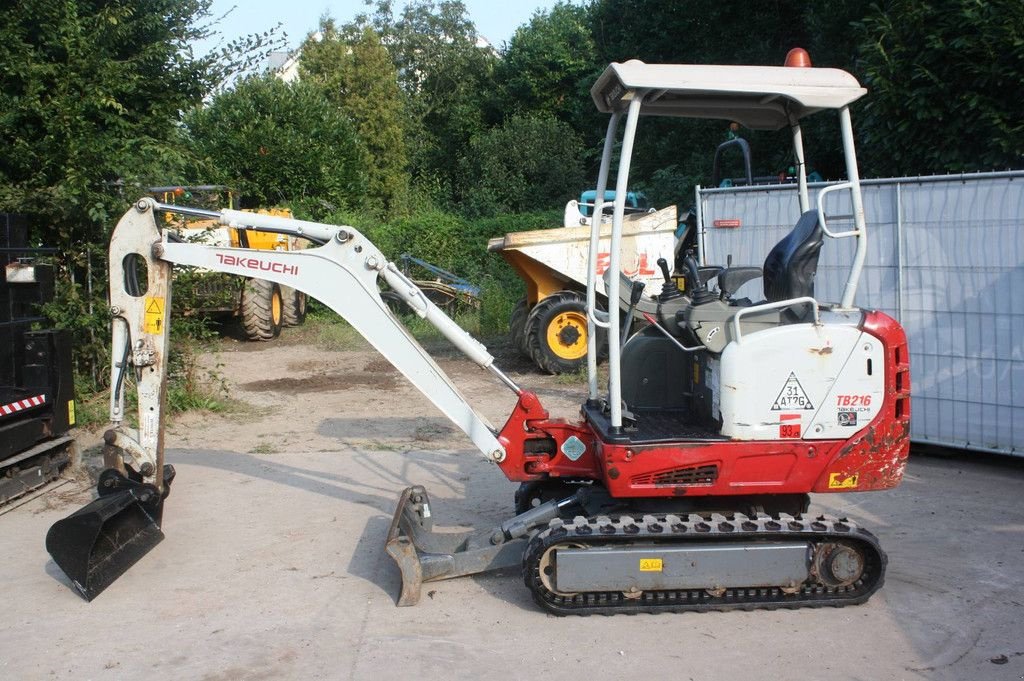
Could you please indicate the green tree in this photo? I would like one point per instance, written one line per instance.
(528, 163)
(942, 80)
(548, 64)
(281, 143)
(447, 77)
(91, 94)
(358, 76)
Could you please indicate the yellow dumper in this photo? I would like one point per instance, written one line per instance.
(549, 325)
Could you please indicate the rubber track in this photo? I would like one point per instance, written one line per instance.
(602, 530)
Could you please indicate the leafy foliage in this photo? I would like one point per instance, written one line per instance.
(941, 77)
(280, 142)
(547, 66)
(358, 76)
(527, 163)
(447, 78)
(89, 98)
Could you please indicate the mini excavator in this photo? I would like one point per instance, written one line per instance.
(684, 482)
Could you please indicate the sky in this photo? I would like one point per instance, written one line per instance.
(495, 20)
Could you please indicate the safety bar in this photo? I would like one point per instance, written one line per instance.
(779, 304)
(685, 348)
(821, 211)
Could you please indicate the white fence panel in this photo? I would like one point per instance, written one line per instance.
(945, 258)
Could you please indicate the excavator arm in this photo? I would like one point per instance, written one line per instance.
(342, 272)
(98, 543)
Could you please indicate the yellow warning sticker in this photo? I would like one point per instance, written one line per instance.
(154, 319)
(842, 481)
(651, 565)
(71, 412)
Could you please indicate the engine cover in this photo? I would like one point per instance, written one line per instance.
(801, 381)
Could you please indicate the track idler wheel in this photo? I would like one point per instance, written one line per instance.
(99, 542)
(838, 564)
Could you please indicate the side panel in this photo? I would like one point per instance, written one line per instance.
(800, 381)
(871, 458)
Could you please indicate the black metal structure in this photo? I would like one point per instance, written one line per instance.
(37, 405)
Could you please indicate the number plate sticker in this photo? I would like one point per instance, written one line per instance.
(789, 426)
(651, 565)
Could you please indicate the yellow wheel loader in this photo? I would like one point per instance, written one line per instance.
(262, 306)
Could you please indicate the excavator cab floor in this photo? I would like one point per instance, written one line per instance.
(651, 426)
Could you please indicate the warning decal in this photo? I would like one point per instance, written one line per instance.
(154, 319)
(792, 396)
(842, 481)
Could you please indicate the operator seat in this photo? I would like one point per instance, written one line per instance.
(788, 273)
(790, 267)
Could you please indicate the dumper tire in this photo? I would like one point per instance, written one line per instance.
(556, 331)
(262, 310)
(293, 309)
(517, 326)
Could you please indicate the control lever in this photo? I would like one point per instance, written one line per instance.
(635, 291)
(669, 288)
(695, 286)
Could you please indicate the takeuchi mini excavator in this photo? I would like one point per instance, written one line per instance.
(682, 484)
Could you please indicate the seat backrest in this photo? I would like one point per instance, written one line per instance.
(790, 266)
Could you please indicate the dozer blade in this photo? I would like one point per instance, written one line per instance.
(423, 555)
(98, 543)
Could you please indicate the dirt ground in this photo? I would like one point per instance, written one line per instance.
(274, 567)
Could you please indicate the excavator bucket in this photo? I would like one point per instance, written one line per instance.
(98, 543)
(423, 555)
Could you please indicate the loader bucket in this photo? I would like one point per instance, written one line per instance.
(423, 555)
(98, 543)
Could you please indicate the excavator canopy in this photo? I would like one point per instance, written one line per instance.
(758, 97)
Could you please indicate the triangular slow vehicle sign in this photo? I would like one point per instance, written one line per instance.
(792, 396)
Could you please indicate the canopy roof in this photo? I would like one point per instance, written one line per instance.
(758, 97)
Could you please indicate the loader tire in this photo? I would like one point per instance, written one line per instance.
(293, 309)
(262, 310)
(556, 333)
(517, 326)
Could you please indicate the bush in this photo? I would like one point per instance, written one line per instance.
(526, 164)
(280, 143)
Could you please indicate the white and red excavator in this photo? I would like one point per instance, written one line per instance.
(684, 481)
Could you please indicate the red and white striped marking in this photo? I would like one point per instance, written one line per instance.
(20, 405)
